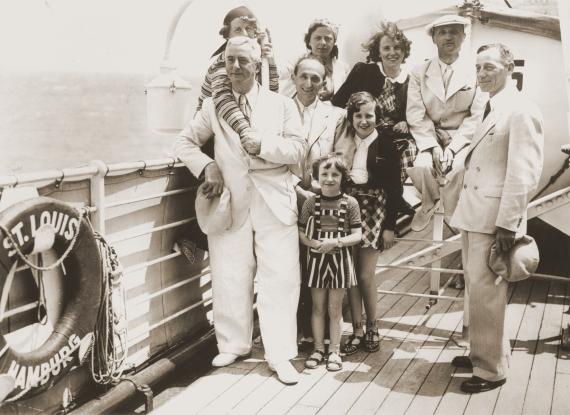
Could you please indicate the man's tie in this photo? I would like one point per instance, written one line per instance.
(244, 106)
(447, 77)
(487, 109)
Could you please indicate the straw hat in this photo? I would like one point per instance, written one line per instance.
(214, 215)
(447, 20)
(517, 264)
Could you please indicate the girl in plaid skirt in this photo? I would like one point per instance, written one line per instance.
(330, 225)
(374, 170)
(383, 76)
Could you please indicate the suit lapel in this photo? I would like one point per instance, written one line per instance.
(462, 75)
(434, 81)
(318, 124)
(484, 128)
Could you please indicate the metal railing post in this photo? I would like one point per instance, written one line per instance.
(97, 196)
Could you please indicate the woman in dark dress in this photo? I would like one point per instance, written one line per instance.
(384, 78)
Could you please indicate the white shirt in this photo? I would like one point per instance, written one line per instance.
(306, 114)
(251, 96)
(359, 173)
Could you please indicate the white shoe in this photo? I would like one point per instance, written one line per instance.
(225, 359)
(286, 373)
(422, 217)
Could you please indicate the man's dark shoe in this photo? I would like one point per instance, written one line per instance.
(477, 384)
(305, 345)
(462, 361)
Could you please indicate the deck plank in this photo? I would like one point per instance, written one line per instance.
(391, 310)
(374, 393)
(203, 391)
(512, 394)
(541, 384)
(454, 401)
(560, 401)
(427, 353)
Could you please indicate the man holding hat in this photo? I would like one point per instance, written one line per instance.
(443, 105)
(261, 240)
(502, 169)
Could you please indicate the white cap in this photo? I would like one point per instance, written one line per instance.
(447, 20)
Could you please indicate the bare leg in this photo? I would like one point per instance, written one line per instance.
(367, 259)
(318, 316)
(335, 314)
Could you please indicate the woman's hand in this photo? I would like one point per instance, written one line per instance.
(401, 127)
(388, 238)
(266, 46)
(327, 245)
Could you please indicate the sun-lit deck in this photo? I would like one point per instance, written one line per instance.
(411, 374)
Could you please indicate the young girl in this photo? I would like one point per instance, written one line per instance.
(374, 181)
(330, 224)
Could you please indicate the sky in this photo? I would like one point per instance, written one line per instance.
(129, 35)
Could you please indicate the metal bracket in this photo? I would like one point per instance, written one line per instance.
(146, 390)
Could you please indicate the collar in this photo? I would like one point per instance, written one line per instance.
(251, 95)
(366, 140)
(337, 197)
(400, 79)
(302, 107)
(454, 66)
(503, 96)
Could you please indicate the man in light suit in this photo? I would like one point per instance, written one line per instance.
(318, 121)
(262, 242)
(443, 106)
(502, 170)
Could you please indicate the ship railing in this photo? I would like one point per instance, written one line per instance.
(99, 174)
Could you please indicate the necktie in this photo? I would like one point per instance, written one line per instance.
(244, 106)
(447, 77)
(487, 110)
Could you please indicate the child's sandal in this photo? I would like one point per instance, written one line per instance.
(315, 359)
(334, 362)
(352, 345)
(371, 340)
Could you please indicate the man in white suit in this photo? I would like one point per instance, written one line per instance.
(318, 121)
(262, 242)
(443, 106)
(502, 170)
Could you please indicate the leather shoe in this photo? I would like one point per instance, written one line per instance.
(225, 359)
(305, 345)
(422, 217)
(286, 373)
(477, 384)
(462, 362)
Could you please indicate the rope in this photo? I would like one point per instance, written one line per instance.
(63, 257)
(109, 352)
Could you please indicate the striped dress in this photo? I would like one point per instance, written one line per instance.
(336, 268)
(218, 86)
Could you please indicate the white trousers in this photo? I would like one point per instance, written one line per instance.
(427, 185)
(267, 250)
(489, 345)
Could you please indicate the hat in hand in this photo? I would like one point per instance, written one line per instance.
(517, 264)
(214, 215)
(447, 20)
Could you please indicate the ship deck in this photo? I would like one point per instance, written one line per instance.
(411, 374)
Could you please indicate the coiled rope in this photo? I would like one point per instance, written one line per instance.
(109, 353)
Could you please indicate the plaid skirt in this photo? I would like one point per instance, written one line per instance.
(408, 151)
(372, 204)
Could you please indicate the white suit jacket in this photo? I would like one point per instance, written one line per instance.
(320, 138)
(503, 166)
(428, 105)
(276, 118)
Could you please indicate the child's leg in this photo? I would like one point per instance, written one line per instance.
(335, 314)
(367, 259)
(318, 317)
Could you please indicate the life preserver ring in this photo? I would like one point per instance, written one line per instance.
(38, 370)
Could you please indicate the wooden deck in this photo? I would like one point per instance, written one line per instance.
(411, 374)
